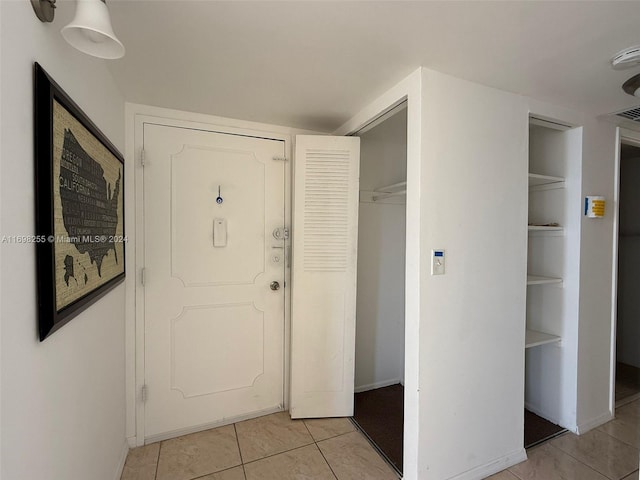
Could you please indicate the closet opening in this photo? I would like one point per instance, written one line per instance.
(627, 368)
(380, 308)
(555, 152)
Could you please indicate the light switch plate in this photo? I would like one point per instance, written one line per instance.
(437, 262)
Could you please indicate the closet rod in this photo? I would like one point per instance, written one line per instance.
(391, 188)
(388, 194)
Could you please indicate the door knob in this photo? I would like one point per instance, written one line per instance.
(274, 285)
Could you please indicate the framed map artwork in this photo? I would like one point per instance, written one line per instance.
(79, 181)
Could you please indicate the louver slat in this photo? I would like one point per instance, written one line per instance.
(326, 198)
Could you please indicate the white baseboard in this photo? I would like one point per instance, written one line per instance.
(373, 386)
(493, 467)
(123, 458)
(132, 442)
(207, 426)
(596, 422)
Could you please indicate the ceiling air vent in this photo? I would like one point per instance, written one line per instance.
(632, 114)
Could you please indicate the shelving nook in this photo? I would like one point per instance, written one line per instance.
(552, 264)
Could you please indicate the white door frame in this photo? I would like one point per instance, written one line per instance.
(408, 90)
(631, 137)
(135, 117)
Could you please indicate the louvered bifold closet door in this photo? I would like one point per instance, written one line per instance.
(325, 244)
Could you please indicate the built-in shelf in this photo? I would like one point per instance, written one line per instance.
(533, 338)
(537, 180)
(545, 228)
(539, 280)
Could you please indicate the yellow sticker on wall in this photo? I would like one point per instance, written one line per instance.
(594, 206)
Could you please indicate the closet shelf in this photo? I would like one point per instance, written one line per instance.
(545, 228)
(539, 280)
(533, 338)
(537, 180)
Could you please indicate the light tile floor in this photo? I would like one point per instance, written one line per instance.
(610, 452)
(274, 447)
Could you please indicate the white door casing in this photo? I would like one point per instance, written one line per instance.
(325, 242)
(214, 329)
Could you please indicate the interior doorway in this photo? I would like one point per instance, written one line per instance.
(627, 385)
(380, 311)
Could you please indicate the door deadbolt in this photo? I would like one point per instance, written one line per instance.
(281, 233)
(274, 285)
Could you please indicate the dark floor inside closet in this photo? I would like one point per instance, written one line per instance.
(380, 415)
(538, 429)
(627, 381)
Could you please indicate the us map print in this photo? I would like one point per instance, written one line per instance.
(88, 224)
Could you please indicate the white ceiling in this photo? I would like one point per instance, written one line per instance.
(314, 64)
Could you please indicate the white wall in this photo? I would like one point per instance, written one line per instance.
(596, 275)
(381, 258)
(628, 332)
(473, 205)
(63, 406)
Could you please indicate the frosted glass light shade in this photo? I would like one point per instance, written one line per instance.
(91, 32)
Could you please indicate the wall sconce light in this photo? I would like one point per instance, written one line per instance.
(632, 86)
(44, 9)
(90, 31)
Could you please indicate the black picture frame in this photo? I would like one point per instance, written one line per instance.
(79, 207)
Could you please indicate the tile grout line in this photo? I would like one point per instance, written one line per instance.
(327, 462)
(155, 477)
(315, 442)
(580, 461)
(567, 454)
(277, 453)
(357, 429)
(238, 443)
(216, 472)
(512, 473)
(599, 428)
(244, 472)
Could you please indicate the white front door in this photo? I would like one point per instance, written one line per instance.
(214, 318)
